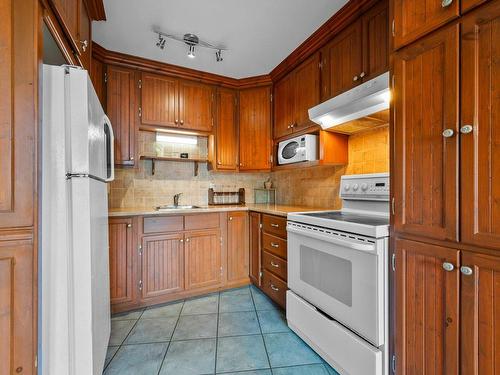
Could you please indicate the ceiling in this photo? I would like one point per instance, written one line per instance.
(258, 33)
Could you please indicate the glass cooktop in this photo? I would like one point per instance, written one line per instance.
(350, 217)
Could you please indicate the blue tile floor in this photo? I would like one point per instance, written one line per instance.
(239, 331)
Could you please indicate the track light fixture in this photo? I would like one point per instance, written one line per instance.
(192, 41)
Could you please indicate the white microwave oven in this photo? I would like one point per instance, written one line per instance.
(295, 150)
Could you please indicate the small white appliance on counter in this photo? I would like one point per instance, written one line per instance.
(297, 149)
(338, 277)
(77, 162)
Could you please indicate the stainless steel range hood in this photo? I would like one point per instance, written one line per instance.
(359, 103)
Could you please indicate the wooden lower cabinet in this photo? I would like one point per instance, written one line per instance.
(427, 309)
(255, 246)
(121, 253)
(237, 247)
(203, 259)
(162, 265)
(480, 314)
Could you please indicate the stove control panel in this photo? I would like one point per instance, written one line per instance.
(365, 187)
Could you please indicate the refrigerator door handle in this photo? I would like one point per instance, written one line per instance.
(110, 150)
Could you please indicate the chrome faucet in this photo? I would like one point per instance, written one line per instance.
(176, 199)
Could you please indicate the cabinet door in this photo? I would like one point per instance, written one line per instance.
(480, 148)
(343, 61)
(283, 106)
(84, 42)
(97, 75)
(227, 130)
(427, 303)
(415, 18)
(16, 307)
(237, 246)
(121, 253)
(375, 41)
(159, 100)
(480, 314)
(195, 106)
(67, 12)
(203, 266)
(255, 129)
(255, 253)
(162, 265)
(120, 108)
(425, 166)
(306, 91)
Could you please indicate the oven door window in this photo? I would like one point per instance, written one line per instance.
(290, 150)
(328, 273)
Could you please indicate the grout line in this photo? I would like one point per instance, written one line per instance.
(217, 333)
(261, 334)
(171, 337)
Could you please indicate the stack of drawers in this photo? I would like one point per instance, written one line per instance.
(274, 258)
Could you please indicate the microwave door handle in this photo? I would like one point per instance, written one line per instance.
(344, 243)
(111, 146)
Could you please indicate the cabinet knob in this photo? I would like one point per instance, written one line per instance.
(292, 125)
(446, 3)
(448, 133)
(466, 129)
(241, 164)
(129, 225)
(362, 74)
(447, 266)
(230, 218)
(288, 127)
(187, 239)
(181, 241)
(84, 44)
(131, 158)
(355, 78)
(219, 163)
(467, 271)
(176, 121)
(182, 122)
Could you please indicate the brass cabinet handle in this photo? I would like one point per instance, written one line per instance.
(274, 288)
(448, 133)
(447, 266)
(275, 225)
(273, 244)
(275, 265)
(466, 129)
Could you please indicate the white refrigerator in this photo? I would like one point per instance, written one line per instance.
(77, 162)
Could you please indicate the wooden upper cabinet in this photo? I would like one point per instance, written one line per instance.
(255, 129)
(469, 4)
(283, 106)
(415, 18)
(162, 265)
(68, 13)
(425, 166)
(237, 246)
(226, 140)
(427, 309)
(306, 91)
(342, 61)
(196, 106)
(480, 121)
(159, 100)
(255, 253)
(84, 36)
(120, 107)
(375, 41)
(203, 259)
(121, 252)
(480, 314)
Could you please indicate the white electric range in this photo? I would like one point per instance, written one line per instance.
(338, 277)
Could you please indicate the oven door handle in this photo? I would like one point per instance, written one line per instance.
(345, 243)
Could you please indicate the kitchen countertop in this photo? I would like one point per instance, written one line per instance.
(272, 209)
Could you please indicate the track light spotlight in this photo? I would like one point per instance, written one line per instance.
(191, 52)
(218, 55)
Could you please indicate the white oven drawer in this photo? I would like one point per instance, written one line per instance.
(342, 349)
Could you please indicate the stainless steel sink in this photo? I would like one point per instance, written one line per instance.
(178, 207)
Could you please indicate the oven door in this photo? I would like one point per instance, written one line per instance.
(342, 275)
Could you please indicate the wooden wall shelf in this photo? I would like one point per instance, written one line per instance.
(161, 158)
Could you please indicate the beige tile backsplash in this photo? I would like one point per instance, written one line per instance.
(313, 187)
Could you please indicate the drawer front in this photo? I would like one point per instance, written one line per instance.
(201, 221)
(275, 225)
(274, 245)
(274, 264)
(159, 224)
(274, 287)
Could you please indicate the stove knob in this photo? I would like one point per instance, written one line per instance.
(364, 187)
(355, 187)
(347, 187)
